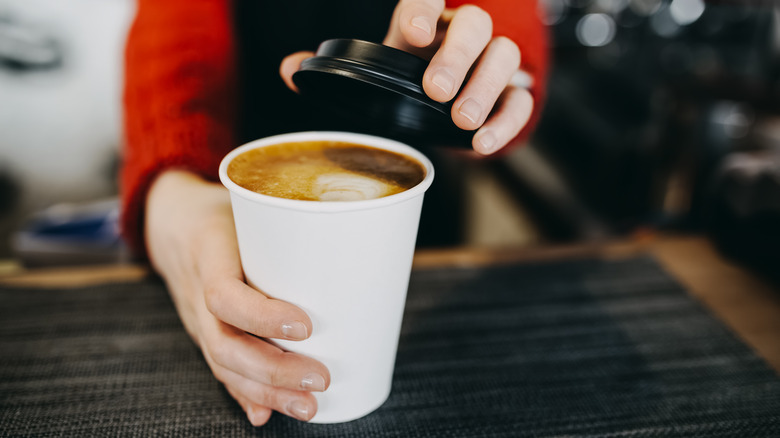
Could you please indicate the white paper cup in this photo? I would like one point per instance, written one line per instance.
(346, 264)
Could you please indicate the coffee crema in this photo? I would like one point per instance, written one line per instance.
(325, 171)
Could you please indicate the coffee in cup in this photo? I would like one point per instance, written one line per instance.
(325, 171)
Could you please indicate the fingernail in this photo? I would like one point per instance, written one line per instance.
(313, 382)
(488, 141)
(299, 410)
(295, 330)
(250, 414)
(471, 110)
(422, 23)
(444, 80)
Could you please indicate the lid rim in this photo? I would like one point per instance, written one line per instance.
(322, 66)
(387, 57)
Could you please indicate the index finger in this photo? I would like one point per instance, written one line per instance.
(417, 20)
(234, 302)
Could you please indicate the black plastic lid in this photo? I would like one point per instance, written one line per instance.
(378, 89)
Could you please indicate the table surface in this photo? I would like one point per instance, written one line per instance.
(741, 300)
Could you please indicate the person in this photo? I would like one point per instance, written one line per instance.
(202, 76)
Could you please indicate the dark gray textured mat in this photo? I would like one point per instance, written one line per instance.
(573, 348)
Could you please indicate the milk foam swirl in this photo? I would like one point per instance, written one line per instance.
(348, 187)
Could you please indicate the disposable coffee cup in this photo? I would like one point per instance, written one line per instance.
(345, 263)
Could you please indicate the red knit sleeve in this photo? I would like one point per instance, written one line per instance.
(520, 21)
(178, 98)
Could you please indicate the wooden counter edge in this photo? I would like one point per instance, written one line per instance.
(73, 276)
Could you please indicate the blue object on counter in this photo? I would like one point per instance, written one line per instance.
(71, 234)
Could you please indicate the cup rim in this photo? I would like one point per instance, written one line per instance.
(330, 206)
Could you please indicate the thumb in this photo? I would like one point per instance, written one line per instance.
(290, 64)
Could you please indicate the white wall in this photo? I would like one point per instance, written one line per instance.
(60, 128)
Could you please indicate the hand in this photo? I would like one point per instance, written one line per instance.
(191, 241)
(461, 49)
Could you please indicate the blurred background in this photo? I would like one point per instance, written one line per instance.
(60, 94)
(662, 117)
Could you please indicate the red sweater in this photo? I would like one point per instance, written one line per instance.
(180, 89)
